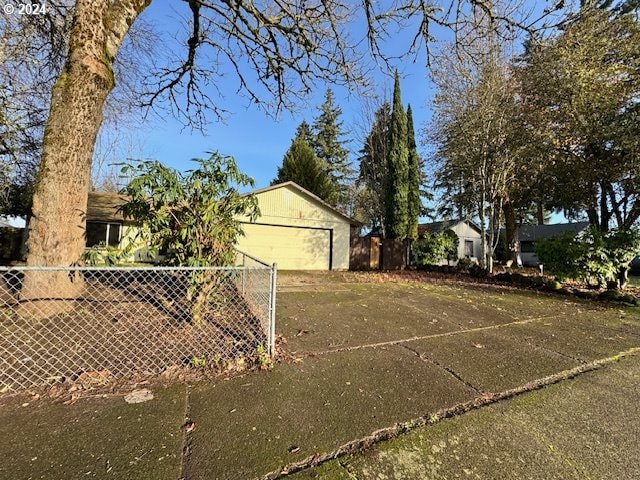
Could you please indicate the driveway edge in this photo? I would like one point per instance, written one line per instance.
(442, 414)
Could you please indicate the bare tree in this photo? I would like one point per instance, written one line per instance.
(32, 54)
(475, 130)
(277, 50)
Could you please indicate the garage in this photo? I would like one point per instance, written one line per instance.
(293, 248)
(297, 230)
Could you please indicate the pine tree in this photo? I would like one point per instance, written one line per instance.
(414, 204)
(304, 131)
(302, 166)
(329, 146)
(396, 191)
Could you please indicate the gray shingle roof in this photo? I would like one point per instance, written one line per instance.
(103, 207)
(531, 233)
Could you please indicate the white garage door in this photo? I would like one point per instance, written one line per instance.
(292, 248)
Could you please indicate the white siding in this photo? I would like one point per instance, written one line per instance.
(466, 232)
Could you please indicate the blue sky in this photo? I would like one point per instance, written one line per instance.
(258, 141)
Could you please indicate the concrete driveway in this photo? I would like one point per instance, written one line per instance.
(374, 360)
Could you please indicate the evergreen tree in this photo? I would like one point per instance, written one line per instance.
(302, 166)
(396, 191)
(304, 131)
(414, 204)
(373, 170)
(329, 146)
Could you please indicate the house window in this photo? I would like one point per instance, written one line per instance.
(103, 233)
(527, 247)
(468, 248)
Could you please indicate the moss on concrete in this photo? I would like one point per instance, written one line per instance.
(327, 471)
(585, 428)
(95, 438)
(249, 426)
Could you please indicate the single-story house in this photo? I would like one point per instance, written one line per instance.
(107, 226)
(295, 229)
(470, 240)
(528, 235)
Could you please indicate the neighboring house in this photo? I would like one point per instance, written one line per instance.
(107, 226)
(469, 238)
(528, 235)
(297, 230)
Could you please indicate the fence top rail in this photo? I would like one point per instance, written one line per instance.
(132, 269)
(253, 258)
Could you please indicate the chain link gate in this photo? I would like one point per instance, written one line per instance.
(124, 320)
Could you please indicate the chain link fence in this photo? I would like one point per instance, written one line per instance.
(57, 324)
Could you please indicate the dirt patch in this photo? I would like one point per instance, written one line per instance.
(122, 327)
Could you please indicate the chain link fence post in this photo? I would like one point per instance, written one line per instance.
(272, 310)
(123, 321)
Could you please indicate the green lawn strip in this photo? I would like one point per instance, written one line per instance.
(94, 438)
(249, 426)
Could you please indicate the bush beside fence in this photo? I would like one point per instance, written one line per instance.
(125, 321)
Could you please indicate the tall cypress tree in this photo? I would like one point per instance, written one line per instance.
(397, 191)
(329, 146)
(414, 204)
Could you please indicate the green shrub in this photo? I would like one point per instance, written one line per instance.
(433, 248)
(591, 256)
(465, 264)
(103, 254)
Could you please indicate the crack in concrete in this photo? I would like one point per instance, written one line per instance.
(560, 354)
(427, 359)
(355, 446)
(424, 337)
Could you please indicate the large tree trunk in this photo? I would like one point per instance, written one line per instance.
(57, 228)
